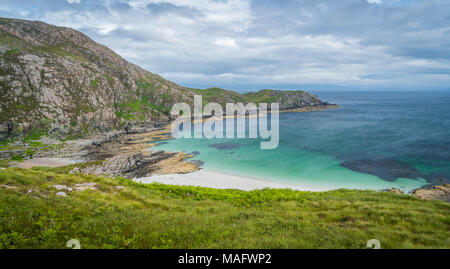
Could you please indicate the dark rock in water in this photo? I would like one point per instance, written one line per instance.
(428, 149)
(436, 178)
(161, 143)
(387, 169)
(390, 170)
(194, 153)
(198, 162)
(394, 190)
(225, 146)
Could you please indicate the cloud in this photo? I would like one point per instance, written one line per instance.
(374, 1)
(73, 1)
(245, 44)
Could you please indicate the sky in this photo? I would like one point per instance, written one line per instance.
(257, 44)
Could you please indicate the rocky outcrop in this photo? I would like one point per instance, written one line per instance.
(435, 193)
(126, 165)
(286, 99)
(128, 155)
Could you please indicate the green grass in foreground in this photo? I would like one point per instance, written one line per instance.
(163, 216)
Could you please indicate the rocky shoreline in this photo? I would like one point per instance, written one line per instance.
(129, 154)
(126, 153)
(311, 108)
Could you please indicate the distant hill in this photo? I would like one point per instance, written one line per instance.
(59, 81)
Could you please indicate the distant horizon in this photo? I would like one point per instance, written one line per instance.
(248, 45)
(308, 88)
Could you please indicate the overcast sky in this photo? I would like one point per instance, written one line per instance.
(243, 45)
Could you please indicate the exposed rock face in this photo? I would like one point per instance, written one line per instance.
(58, 80)
(436, 193)
(128, 155)
(127, 165)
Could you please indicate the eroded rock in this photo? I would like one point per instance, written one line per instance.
(436, 193)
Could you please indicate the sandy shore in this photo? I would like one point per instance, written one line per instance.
(212, 179)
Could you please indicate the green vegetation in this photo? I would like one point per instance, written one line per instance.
(64, 49)
(67, 49)
(94, 83)
(163, 216)
(34, 134)
(263, 96)
(11, 51)
(146, 86)
(4, 163)
(219, 96)
(28, 146)
(110, 80)
(222, 96)
(136, 110)
(12, 41)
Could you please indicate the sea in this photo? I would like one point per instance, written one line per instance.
(374, 140)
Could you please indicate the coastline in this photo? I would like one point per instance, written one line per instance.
(292, 110)
(171, 168)
(217, 180)
(132, 155)
(309, 109)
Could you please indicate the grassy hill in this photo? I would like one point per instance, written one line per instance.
(118, 213)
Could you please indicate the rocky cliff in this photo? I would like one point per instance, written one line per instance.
(58, 81)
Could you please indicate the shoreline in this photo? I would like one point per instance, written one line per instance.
(247, 116)
(166, 167)
(218, 180)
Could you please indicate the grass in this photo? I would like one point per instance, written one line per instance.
(29, 146)
(164, 216)
(137, 109)
(94, 83)
(222, 96)
(34, 134)
(4, 163)
(219, 96)
(11, 51)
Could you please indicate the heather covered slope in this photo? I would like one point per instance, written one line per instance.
(117, 213)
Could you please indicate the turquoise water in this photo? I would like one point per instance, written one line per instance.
(373, 141)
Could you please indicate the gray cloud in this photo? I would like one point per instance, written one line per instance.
(241, 44)
(164, 8)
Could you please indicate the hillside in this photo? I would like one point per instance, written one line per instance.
(38, 210)
(58, 81)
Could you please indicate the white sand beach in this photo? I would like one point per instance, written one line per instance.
(212, 179)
